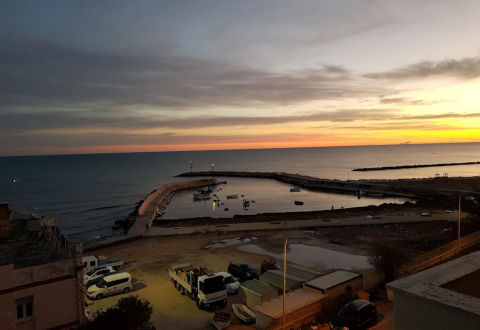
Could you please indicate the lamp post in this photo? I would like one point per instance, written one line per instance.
(191, 166)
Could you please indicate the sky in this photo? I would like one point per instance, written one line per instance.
(133, 76)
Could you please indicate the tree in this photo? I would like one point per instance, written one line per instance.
(387, 259)
(130, 313)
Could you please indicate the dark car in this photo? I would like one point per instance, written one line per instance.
(242, 271)
(356, 315)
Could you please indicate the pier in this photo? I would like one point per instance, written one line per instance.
(401, 167)
(159, 199)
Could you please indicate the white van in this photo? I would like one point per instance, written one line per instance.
(110, 284)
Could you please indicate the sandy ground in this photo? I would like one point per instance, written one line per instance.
(148, 261)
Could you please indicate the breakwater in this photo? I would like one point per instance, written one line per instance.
(159, 199)
(365, 188)
(400, 167)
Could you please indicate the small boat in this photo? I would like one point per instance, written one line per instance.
(206, 190)
(200, 196)
(244, 314)
(298, 202)
(221, 320)
(295, 189)
(232, 196)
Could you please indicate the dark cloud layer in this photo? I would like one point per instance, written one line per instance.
(44, 74)
(467, 68)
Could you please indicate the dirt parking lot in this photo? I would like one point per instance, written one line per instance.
(148, 261)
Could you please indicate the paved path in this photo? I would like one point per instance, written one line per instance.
(273, 225)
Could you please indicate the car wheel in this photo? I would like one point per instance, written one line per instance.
(182, 291)
(199, 304)
(99, 296)
(126, 290)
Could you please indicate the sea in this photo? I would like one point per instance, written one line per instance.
(87, 193)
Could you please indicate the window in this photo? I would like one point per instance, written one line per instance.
(24, 308)
(92, 263)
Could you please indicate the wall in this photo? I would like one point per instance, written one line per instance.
(415, 313)
(4, 220)
(294, 319)
(335, 292)
(55, 292)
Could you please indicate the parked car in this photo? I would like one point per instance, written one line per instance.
(231, 284)
(268, 264)
(96, 273)
(242, 271)
(356, 315)
(95, 281)
(109, 285)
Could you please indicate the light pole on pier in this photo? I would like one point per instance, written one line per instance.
(213, 165)
(191, 166)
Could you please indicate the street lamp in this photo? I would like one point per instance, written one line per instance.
(212, 166)
(191, 166)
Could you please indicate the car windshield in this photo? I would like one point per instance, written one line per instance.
(346, 314)
(229, 279)
(101, 283)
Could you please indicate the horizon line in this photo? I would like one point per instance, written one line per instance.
(237, 149)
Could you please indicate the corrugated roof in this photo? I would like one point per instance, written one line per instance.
(258, 287)
(302, 273)
(332, 279)
(275, 278)
(294, 300)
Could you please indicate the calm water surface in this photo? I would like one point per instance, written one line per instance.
(87, 193)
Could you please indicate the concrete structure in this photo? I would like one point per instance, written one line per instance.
(257, 292)
(337, 283)
(4, 220)
(443, 297)
(40, 276)
(302, 306)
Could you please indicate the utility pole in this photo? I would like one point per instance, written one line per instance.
(284, 273)
(459, 218)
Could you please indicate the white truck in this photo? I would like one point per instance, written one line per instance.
(207, 290)
(94, 262)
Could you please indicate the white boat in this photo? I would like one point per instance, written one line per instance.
(295, 189)
(200, 196)
(244, 314)
(221, 320)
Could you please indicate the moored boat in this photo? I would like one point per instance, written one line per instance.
(221, 320)
(200, 196)
(298, 202)
(232, 196)
(295, 189)
(244, 314)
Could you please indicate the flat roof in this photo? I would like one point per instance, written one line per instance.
(294, 300)
(258, 287)
(275, 278)
(301, 273)
(332, 279)
(428, 284)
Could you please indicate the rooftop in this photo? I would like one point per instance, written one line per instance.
(293, 301)
(332, 279)
(454, 283)
(275, 278)
(258, 287)
(27, 245)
